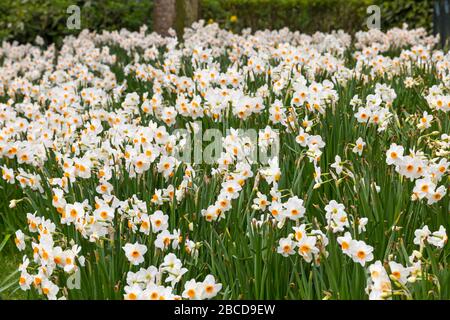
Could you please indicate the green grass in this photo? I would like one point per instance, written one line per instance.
(10, 261)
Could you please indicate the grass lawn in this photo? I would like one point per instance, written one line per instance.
(10, 260)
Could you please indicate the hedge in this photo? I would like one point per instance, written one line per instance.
(312, 15)
(22, 20)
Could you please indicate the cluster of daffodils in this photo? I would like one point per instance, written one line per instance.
(159, 283)
(51, 257)
(309, 245)
(396, 37)
(337, 222)
(134, 212)
(234, 164)
(105, 139)
(376, 109)
(438, 98)
(358, 250)
(395, 279)
(426, 173)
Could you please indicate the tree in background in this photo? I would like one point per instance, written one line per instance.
(164, 14)
(176, 14)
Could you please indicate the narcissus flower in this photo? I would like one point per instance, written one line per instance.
(399, 272)
(135, 252)
(359, 146)
(306, 247)
(361, 252)
(192, 290)
(337, 165)
(294, 208)
(395, 154)
(210, 287)
(286, 246)
(345, 242)
(20, 240)
(438, 238)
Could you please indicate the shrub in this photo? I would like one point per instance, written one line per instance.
(24, 20)
(312, 15)
(415, 13)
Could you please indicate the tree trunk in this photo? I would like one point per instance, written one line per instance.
(164, 16)
(176, 14)
(191, 8)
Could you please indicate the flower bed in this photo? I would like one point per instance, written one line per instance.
(268, 165)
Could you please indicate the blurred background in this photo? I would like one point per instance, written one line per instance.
(23, 20)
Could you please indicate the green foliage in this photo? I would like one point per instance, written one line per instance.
(313, 15)
(415, 13)
(24, 20)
